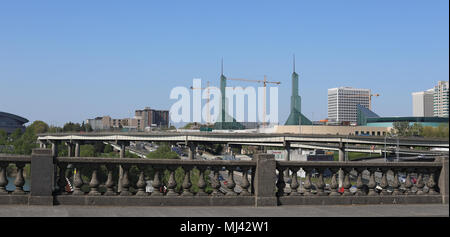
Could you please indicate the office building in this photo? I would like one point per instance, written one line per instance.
(440, 99)
(343, 101)
(422, 102)
(153, 118)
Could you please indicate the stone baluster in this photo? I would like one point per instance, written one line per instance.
(125, 182)
(294, 182)
(384, 183)
(359, 183)
(141, 184)
(408, 182)
(110, 182)
(334, 183)
(420, 184)
(93, 185)
(280, 182)
(187, 181)
(431, 184)
(308, 183)
(320, 183)
(216, 182)
(77, 181)
(347, 183)
(230, 182)
(372, 184)
(19, 181)
(157, 184)
(396, 183)
(201, 181)
(172, 183)
(3, 179)
(245, 184)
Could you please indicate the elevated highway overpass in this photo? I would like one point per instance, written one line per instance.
(287, 140)
(224, 138)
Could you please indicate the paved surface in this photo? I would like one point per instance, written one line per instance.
(414, 210)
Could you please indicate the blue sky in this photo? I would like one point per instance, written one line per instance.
(68, 61)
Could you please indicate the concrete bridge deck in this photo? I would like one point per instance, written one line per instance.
(397, 210)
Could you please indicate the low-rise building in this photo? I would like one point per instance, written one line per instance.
(142, 120)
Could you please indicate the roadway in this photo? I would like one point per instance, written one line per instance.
(225, 138)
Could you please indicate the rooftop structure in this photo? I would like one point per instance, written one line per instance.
(10, 122)
(388, 121)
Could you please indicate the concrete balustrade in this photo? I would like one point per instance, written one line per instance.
(364, 182)
(259, 182)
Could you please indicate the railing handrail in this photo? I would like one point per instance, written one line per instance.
(355, 164)
(100, 160)
(14, 157)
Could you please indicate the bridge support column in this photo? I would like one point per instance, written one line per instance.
(54, 148)
(192, 147)
(69, 149)
(77, 149)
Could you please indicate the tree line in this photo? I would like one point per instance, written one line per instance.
(405, 129)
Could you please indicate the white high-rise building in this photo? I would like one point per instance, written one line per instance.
(440, 99)
(342, 103)
(423, 103)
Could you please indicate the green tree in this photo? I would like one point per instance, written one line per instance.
(401, 128)
(415, 130)
(108, 149)
(86, 127)
(15, 136)
(71, 127)
(54, 129)
(163, 152)
(3, 137)
(440, 131)
(39, 127)
(87, 150)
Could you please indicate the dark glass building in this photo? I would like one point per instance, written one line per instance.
(10, 122)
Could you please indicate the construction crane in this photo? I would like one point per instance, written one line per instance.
(370, 100)
(265, 81)
(208, 119)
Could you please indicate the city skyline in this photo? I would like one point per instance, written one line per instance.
(69, 62)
